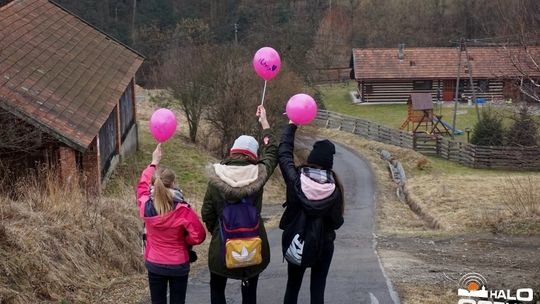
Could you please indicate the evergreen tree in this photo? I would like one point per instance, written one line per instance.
(524, 131)
(488, 131)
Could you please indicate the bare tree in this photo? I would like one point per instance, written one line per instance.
(237, 93)
(187, 75)
(520, 25)
(333, 40)
(234, 101)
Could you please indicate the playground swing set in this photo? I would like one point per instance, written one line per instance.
(421, 117)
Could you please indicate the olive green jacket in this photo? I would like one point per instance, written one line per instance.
(219, 191)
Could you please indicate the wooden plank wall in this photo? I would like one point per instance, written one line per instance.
(399, 91)
(511, 158)
(331, 75)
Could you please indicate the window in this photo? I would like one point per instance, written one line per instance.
(483, 85)
(422, 85)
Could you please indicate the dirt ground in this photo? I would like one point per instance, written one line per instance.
(427, 269)
(480, 228)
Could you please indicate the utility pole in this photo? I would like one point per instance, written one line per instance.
(236, 33)
(469, 68)
(456, 97)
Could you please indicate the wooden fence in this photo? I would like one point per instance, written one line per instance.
(332, 75)
(513, 158)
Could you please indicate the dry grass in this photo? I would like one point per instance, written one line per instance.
(413, 293)
(462, 200)
(57, 244)
(477, 203)
(522, 196)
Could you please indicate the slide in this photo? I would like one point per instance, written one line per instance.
(449, 127)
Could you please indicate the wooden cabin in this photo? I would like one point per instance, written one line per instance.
(393, 74)
(69, 84)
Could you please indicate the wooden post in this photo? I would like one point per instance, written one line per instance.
(362, 91)
(469, 67)
(456, 97)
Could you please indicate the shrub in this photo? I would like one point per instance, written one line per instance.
(319, 98)
(524, 131)
(488, 131)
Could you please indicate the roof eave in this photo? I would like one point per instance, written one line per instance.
(22, 115)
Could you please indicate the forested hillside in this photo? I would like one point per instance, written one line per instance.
(308, 33)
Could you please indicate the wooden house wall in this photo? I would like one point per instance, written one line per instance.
(127, 111)
(399, 91)
(107, 142)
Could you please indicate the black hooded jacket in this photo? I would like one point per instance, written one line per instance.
(329, 208)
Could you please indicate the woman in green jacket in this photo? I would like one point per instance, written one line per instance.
(239, 178)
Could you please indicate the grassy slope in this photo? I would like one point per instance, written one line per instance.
(462, 199)
(56, 245)
(186, 159)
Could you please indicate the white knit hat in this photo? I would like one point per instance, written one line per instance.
(247, 145)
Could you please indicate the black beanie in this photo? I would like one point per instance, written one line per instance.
(322, 154)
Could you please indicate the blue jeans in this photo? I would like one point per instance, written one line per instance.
(158, 288)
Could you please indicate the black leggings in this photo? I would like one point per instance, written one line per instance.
(217, 289)
(319, 272)
(158, 288)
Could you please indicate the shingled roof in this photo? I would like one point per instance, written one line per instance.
(441, 63)
(58, 72)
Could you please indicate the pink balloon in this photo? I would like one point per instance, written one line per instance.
(162, 124)
(301, 109)
(266, 63)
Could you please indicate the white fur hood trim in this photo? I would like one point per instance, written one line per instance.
(237, 176)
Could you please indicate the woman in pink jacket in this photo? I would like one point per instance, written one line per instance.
(171, 228)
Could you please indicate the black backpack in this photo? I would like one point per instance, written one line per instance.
(303, 239)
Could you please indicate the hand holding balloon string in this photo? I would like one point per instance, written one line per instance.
(261, 113)
(156, 155)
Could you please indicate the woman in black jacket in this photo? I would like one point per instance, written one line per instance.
(314, 194)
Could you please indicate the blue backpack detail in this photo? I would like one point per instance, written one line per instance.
(240, 236)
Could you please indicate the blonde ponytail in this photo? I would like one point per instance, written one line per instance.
(163, 198)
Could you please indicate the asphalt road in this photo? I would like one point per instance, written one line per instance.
(356, 275)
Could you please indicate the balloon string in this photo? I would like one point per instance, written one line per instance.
(264, 92)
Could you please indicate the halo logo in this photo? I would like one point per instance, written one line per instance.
(473, 290)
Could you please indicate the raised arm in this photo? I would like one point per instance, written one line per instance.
(268, 155)
(143, 187)
(145, 182)
(286, 154)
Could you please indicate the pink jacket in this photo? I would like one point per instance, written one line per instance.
(168, 237)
